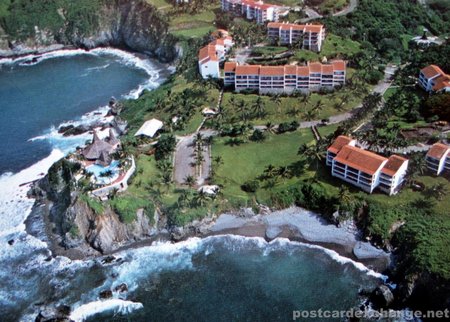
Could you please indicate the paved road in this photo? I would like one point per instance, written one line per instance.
(184, 159)
(312, 14)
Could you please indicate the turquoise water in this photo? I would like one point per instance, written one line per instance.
(33, 99)
(98, 170)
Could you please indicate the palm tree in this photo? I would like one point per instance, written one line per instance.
(270, 171)
(318, 106)
(259, 107)
(243, 110)
(270, 127)
(345, 198)
(284, 172)
(312, 153)
(438, 191)
(277, 100)
(218, 160)
(200, 198)
(310, 115)
(189, 180)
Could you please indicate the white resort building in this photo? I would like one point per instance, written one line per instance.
(308, 36)
(364, 169)
(433, 79)
(285, 79)
(212, 54)
(252, 10)
(150, 128)
(438, 158)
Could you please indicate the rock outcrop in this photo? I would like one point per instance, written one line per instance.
(128, 24)
(74, 224)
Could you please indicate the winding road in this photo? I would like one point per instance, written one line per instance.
(312, 14)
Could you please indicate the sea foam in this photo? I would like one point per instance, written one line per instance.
(112, 305)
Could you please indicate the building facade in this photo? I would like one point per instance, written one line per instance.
(433, 79)
(285, 79)
(252, 10)
(364, 169)
(438, 158)
(307, 36)
(212, 54)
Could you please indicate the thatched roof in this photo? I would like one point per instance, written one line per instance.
(95, 149)
(112, 138)
(104, 160)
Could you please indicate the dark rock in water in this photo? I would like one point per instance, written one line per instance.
(48, 259)
(106, 294)
(63, 128)
(108, 259)
(121, 288)
(51, 314)
(11, 242)
(64, 310)
(77, 130)
(382, 296)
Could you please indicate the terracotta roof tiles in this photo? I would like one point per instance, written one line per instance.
(339, 143)
(393, 165)
(359, 159)
(438, 150)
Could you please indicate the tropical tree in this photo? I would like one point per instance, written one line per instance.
(259, 106)
(310, 115)
(200, 199)
(277, 100)
(189, 180)
(243, 110)
(312, 153)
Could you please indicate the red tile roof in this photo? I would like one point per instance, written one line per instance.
(272, 71)
(393, 165)
(339, 143)
(207, 53)
(315, 67)
(248, 69)
(338, 65)
(438, 150)
(313, 28)
(302, 71)
(432, 71)
(230, 66)
(362, 160)
(441, 82)
(327, 69)
(290, 70)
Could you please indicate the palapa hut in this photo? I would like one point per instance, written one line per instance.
(99, 150)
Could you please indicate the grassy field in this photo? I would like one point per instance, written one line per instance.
(333, 47)
(194, 25)
(160, 4)
(247, 161)
(290, 108)
(268, 50)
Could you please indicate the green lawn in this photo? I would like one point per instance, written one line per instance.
(160, 4)
(194, 25)
(247, 161)
(268, 50)
(333, 47)
(290, 108)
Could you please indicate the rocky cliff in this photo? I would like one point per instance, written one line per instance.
(128, 24)
(72, 226)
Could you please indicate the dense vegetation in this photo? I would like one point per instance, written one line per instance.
(19, 17)
(382, 24)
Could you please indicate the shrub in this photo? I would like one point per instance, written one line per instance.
(257, 136)
(250, 186)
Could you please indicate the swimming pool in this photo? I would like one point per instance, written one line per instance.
(97, 171)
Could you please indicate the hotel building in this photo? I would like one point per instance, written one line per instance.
(212, 54)
(252, 10)
(285, 79)
(433, 79)
(309, 36)
(438, 158)
(365, 169)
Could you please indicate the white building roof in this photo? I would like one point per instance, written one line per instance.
(149, 128)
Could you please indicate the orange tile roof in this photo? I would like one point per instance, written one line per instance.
(313, 28)
(338, 65)
(327, 69)
(274, 24)
(393, 165)
(441, 82)
(230, 66)
(207, 53)
(315, 67)
(303, 71)
(339, 143)
(272, 71)
(431, 71)
(362, 160)
(438, 150)
(247, 69)
(290, 70)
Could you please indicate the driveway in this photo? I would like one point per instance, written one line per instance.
(185, 158)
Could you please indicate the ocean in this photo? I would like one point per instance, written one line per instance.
(221, 278)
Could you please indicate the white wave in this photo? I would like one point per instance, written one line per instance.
(14, 203)
(99, 67)
(333, 255)
(116, 306)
